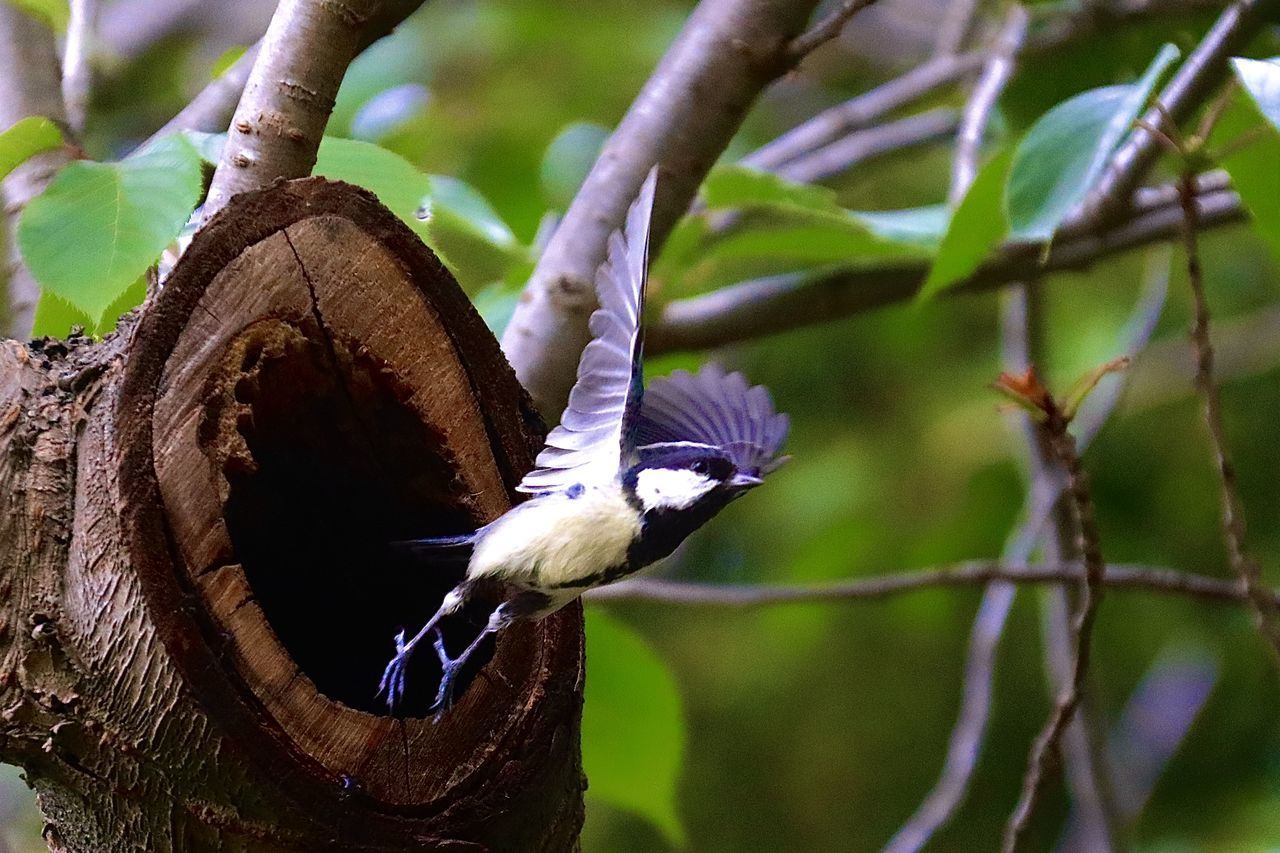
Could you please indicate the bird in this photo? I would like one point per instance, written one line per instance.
(624, 478)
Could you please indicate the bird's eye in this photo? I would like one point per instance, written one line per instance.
(700, 466)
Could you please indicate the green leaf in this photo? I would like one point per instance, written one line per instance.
(448, 214)
(912, 226)
(228, 58)
(980, 222)
(568, 159)
(785, 227)
(633, 731)
(1065, 151)
(772, 241)
(55, 317)
(394, 180)
(25, 139)
(98, 226)
(1261, 80)
(496, 303)
(1252, 119)
(742, 186)
(55, 13)
(207, 145)
(466, 230)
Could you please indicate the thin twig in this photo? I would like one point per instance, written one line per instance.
(1130, 576)
(858, 147)
(1044, 751)
(1194, 82)
(767, 306)
(863, 110)
(31, 86)
(210, 111)
(995, 76)
(965, 744)
(826, 29)
(77, 71)
(1233, 518)
(956, 22)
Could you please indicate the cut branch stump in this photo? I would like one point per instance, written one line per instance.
(196, 593)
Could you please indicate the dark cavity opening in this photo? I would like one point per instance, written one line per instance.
(341, 469)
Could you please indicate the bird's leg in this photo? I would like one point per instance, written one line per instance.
(392, 683)
(501, 617)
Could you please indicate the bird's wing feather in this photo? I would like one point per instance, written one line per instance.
(595, 431)
(715, 408)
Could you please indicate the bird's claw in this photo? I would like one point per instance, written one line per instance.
(392, 683)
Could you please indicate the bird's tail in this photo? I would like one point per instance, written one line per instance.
(439, 549)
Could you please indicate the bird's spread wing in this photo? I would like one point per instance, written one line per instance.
(715, 408)
(595, 431)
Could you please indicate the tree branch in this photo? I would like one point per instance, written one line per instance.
(767, 306)
(825, 30)
(210, 111)
(1120, 576)
(863, 110)
(1233, 519)
(1044, 751)
(280, 120)
(1193, 83)
(77, 72)
(843, 154)
(973, 123)
(683, 118)
(32, 87)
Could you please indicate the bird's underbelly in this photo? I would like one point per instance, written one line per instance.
(559, 544)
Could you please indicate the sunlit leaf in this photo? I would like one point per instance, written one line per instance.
(1253, 119)
(633, 730)
(56, 13)
(980, 222)
(98, 226)
(464, 228)
(1066, 151)
(1261, 80)
(742, 186)
(915, 226)
(770, 242)
(567, 161)
(394, 180)
(228, 58)
(208, 145)
(25, 139)
(55, 317)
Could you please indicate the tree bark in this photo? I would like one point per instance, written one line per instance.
(196, 599)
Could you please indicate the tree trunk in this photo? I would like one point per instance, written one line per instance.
(196, 597)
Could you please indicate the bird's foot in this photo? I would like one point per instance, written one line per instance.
(392, 683)
(448, 673)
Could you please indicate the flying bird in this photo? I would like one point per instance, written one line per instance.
(627, 475)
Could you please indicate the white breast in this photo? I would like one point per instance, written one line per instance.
(555, 539)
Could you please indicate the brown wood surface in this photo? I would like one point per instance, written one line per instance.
(196, 597)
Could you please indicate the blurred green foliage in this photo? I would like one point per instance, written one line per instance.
(820, 727)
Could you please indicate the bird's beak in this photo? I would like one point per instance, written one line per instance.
(743, 481)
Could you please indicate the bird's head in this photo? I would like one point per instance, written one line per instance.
(682, 476)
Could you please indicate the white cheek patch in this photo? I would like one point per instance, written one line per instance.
(668, 488)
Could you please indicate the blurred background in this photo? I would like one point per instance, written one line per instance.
(822, 726)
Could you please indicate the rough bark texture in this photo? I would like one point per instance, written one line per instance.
(277, 127)
(683, 119)
(195, 597)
